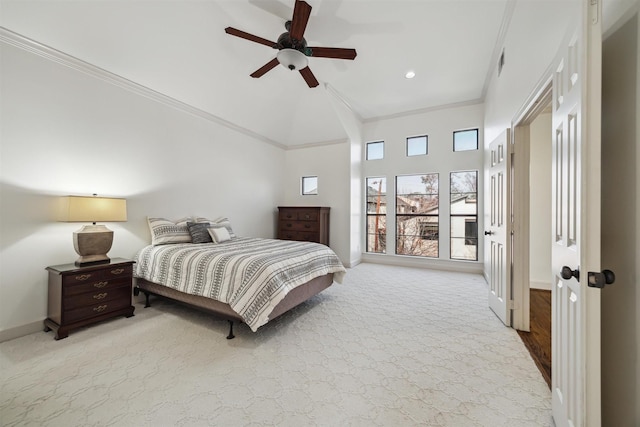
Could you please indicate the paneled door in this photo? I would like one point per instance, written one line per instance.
(576, 223)
(497, 230)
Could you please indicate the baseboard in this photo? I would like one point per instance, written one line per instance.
(534, 284)
(434, 264)
(21, 331)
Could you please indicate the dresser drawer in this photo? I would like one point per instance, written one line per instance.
(95, 310)
(300, 236)
(298, 214)
(299, 226)
(98, 296)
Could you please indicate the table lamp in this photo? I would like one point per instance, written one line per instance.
(92, 242)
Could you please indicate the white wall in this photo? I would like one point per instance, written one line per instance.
(531, 42)
(540, 202)
(65, 132)
(330, 163)
(439, 125)
(620, 222)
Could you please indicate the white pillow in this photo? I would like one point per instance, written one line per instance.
(164, 231)
(218, 221)
(219, 234)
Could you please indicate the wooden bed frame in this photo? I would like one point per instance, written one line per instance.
(294, 298)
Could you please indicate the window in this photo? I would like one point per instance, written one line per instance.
(309, 185)
(464, 215)
(375, 150)
(417, 228)
(465, 140)
(417, 145)
(377, 215)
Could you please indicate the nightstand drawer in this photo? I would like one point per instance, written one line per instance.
(99, 296)
(95, 310)
(112, 272)
(101, 285)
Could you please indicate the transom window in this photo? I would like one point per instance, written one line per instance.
(417, 145)
(465, 140)
(375, 150)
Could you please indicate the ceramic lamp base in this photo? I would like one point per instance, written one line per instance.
(92, 242)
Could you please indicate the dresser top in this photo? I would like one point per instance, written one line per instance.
(71, 268)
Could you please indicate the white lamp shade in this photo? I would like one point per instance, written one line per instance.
(292, 59)
(92, 209)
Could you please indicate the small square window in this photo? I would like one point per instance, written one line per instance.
(309, 185)
(417, 145)
(465, 140)
(375, 150)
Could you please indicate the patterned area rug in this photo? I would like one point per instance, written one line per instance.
(392, 346)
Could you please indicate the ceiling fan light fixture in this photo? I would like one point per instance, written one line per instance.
(292, 59)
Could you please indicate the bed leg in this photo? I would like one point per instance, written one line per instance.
(230, 336)
(146, 299)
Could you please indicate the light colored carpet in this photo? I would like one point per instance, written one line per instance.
(392, 346)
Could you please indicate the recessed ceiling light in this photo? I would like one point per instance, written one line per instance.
(410, 74)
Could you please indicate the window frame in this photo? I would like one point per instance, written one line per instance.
(426, 145)
(368, 144)
(421, 218)
(302, 185)
(477, 131)
(382, 238)
(466, 216)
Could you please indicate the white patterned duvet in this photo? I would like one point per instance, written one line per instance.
(252, 275)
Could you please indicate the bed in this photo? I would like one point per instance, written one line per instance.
(243, 279)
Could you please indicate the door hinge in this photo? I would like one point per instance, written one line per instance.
(511, 305)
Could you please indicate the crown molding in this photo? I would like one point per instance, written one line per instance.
(17, 40)
(317, 144)
(426, 110)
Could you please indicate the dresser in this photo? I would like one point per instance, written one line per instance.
(80, 296)
(304, 223)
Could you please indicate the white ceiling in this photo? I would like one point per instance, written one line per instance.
(179, 48)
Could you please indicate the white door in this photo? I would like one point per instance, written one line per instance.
(496, 231)
(576, 225)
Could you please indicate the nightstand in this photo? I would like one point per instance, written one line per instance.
(80, 296)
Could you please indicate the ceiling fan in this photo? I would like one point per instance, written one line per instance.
(293, 51)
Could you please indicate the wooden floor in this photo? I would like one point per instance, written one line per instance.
(538, 340)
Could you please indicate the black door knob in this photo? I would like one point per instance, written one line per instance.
(598, 280)
(567, 273)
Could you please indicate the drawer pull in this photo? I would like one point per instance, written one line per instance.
(289, 225)
(100, 284)
(307, 226)
(100, 296)
(307, 216)
(117, 271)
(100, 308)
(82, 277)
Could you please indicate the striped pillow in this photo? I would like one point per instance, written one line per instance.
(164, 231)
(219, 221)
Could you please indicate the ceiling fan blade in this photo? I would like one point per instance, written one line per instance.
(250, 37)
(266, 67)
(308, 77)
(301, 14)
(333, 52)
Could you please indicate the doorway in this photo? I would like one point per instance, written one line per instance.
(531, 240)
